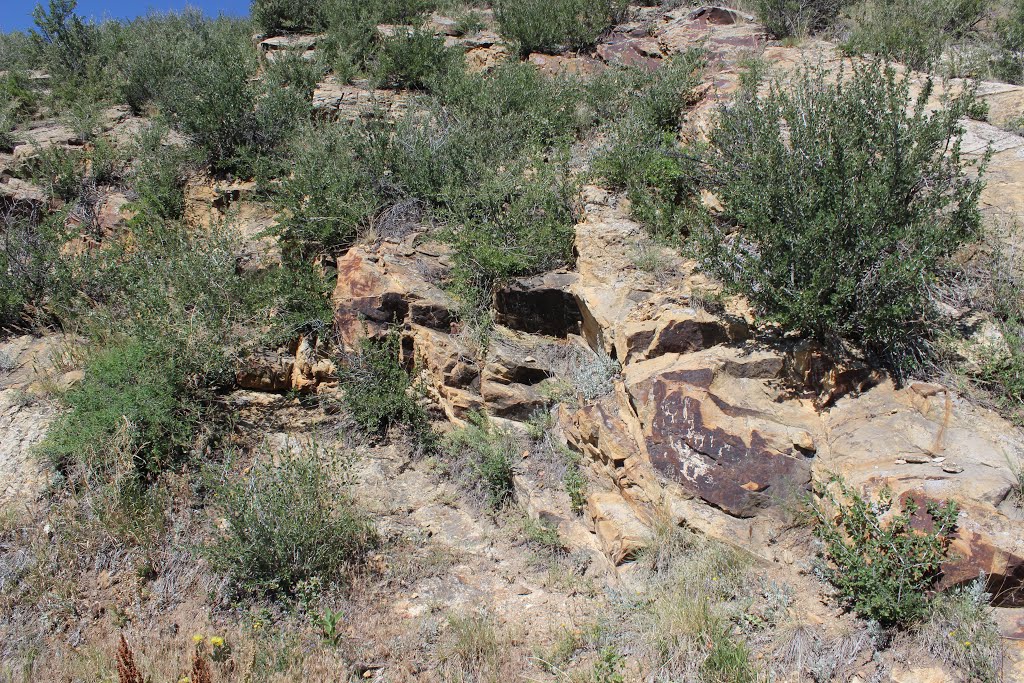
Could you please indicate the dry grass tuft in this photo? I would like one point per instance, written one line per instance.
(476, 648)
(961, 632)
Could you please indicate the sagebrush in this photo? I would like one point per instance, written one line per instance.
(289, 522)
(846, 204)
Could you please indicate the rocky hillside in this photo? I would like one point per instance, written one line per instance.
(430, 378)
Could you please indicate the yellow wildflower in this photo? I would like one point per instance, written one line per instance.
(197, 638)
(184, 679)
(217, 641)
(967, 643)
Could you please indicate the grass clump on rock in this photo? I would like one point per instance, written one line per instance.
(481, 455)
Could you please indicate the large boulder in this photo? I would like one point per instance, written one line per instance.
(704, 426)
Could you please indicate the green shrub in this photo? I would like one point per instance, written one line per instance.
(127, 406)
(609, 666)
(469, 23)
(379, 393)
(158, 175)
(728, 660)
(489, 158)
(785, 18)
(481, 456)
(30, 264)
(1008, 64)
(330, 197)
(165, 285)
(161, 48)
(200, 73)
(214, 102)
(17, 90)
(1003, 373)
(63, 38)
(18, 51)
(519, 222)
(59, 171)
(8, 122)
(915, 32)
(287, 524)
(643, 156)
(71, 174)
(660, 181)
(879, 563)
(847, 204)
(519, 107)
(280, 16)
(291, 70)
(414, 59)
(18, 101)
(352, 36)
(164, 310)
(556, 25)
(298, 297)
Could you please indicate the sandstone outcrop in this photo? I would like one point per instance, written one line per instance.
(349, 102)
(31, 369)
(304, 46)
(232, 204)
(713, 422)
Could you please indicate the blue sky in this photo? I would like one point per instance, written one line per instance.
(17, 14)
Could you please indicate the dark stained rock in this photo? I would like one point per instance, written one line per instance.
(701, 441)
(539, 305)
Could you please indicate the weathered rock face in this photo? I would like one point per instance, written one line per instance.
(710, 420)
(333, 99)
(304, 46)
(631, 46)
(267, 371)
(215, 204)
(30, 368)
(19, 195)
(566, 65)
(539, 305)
(699, 434)
(704, 426)
(395, 283)
(398, 283)
(304, 367)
